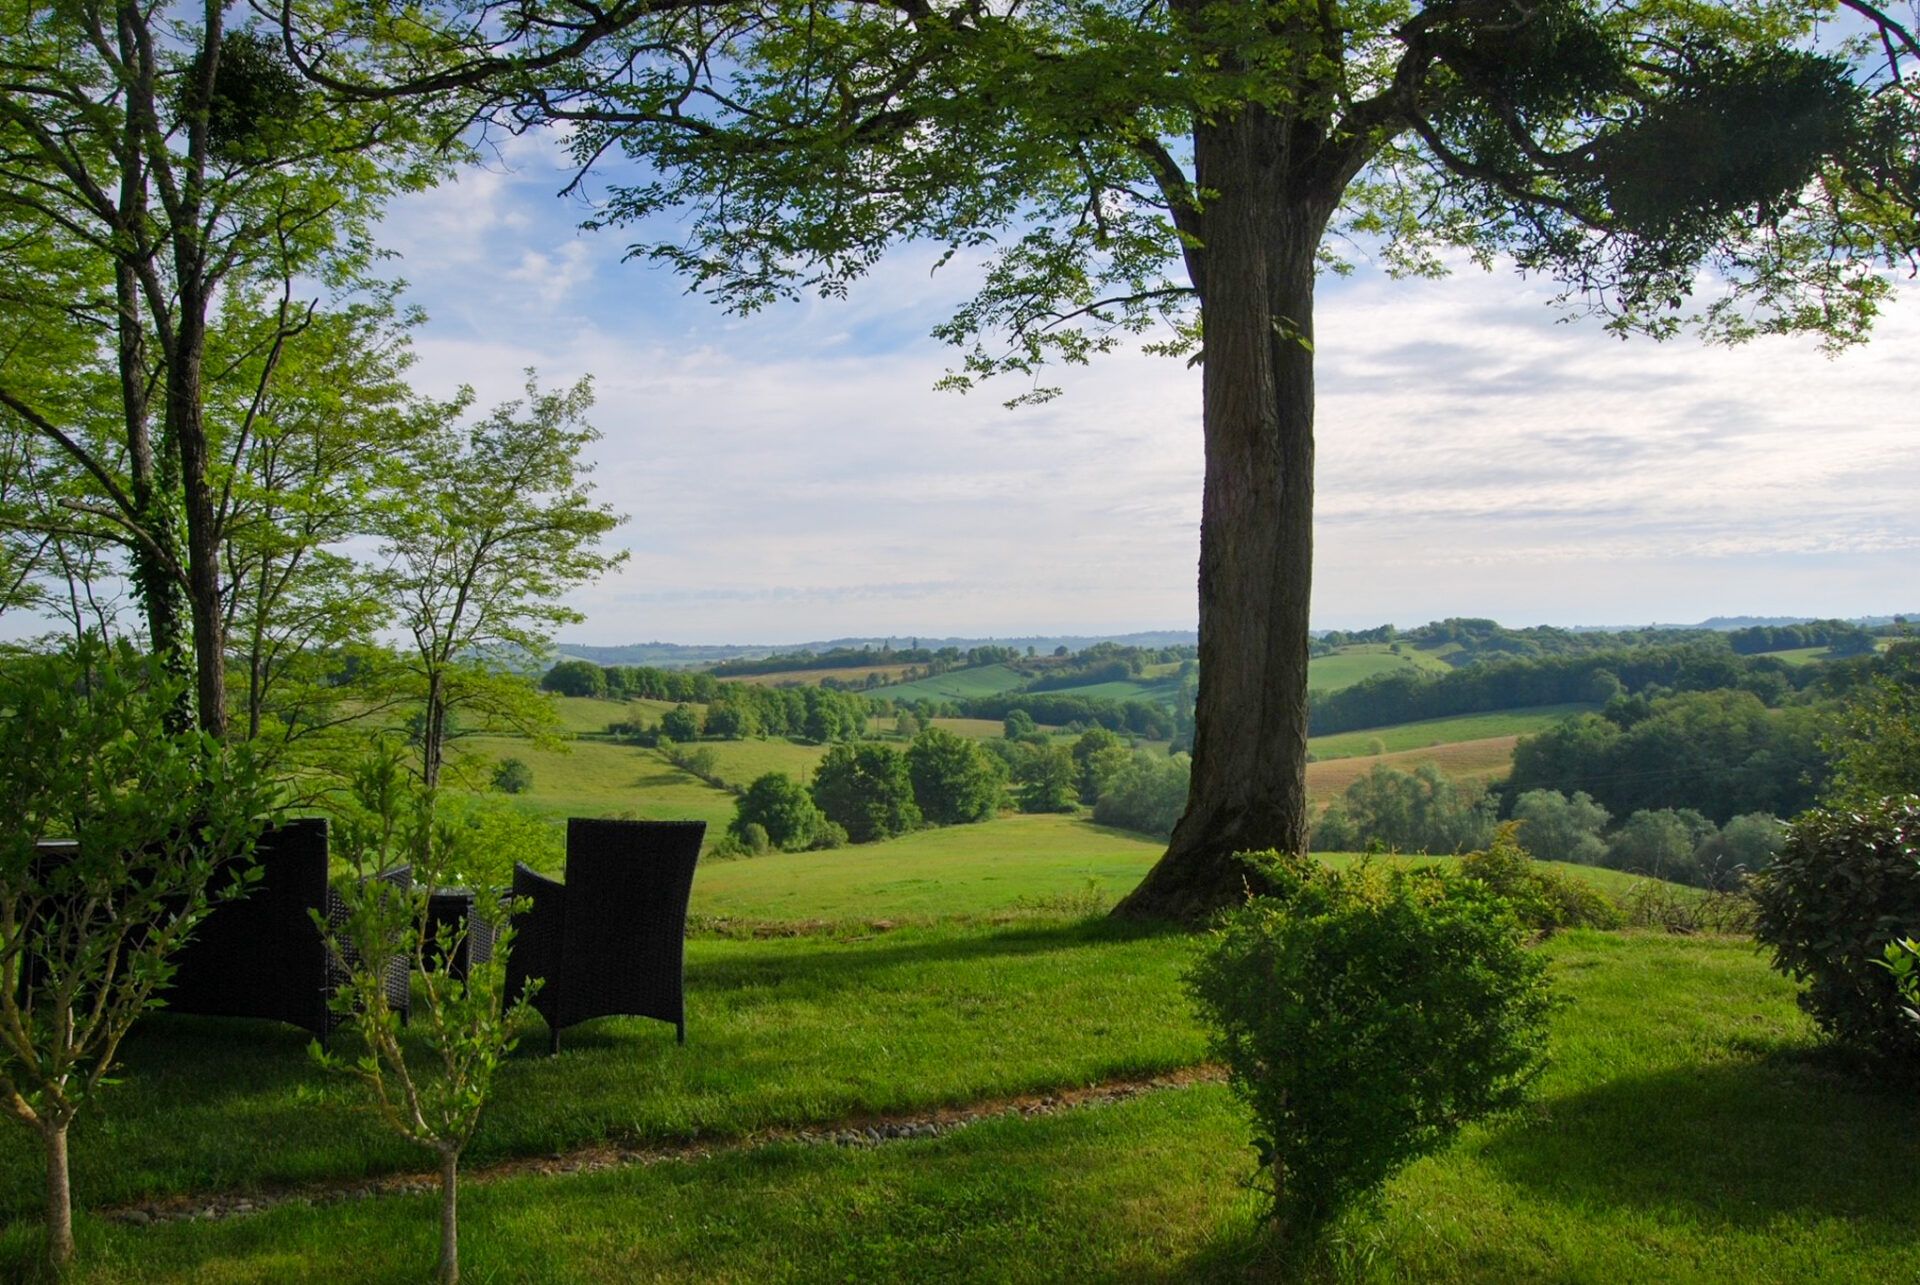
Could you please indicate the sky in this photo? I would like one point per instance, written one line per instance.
(795, 476)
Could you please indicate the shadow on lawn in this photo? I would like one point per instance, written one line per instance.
(1793, 1131)
(842, 959)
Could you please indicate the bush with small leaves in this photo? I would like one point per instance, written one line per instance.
(512, 776)
(780, 808)
(1545, 900)
(1844, 887)
(1365, 1016)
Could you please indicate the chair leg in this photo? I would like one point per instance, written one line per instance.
(553, 1046)
(681, 1027)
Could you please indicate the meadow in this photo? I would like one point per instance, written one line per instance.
(1690, 1127)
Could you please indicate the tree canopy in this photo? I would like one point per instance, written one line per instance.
(1111, 169)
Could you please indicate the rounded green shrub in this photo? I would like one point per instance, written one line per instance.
(1544, 900)
(1365, 1016)
(1844, 887)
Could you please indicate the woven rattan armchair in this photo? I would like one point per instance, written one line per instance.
(261, 955)
(612, 938)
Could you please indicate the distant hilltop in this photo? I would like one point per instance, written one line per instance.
(677, 655)
(664, 655)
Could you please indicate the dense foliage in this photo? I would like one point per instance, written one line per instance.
(954, 780)
(866, 790)
(1876, 750)
(1146, 794)
(1418, 811)
(1364, 1017)
(1845, 887)
(157, 819)
(1405, 695)
(1720, 752)
(1543, 900)
(782, 808)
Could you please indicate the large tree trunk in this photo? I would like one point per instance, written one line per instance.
(1256, 522)
(59, 1199)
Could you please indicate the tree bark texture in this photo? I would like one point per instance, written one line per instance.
(448, 1270)
(59, 1198)
(1248, 790)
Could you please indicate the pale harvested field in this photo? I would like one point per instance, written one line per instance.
(1482, 760)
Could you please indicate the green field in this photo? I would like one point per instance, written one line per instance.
(1444, 731)
(1360, 661)
(742, 762)
(1689, 1129)
(599, 778)
(1005, 864)
(958, 684)
(1161, 691)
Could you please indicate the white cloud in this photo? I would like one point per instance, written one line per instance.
(793, 475)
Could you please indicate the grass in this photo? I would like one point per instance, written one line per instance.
(1360, 661)
(600, 778)
(1482, 760)
(1007, 864)
(1688, 1130)
(782, 1031)
(957, 684)
(742, 762)
(1432, 732)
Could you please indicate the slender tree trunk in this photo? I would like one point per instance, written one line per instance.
(433, 734)
(1256, 525)
(448, 1270)
(59, 1198)
(186, 422)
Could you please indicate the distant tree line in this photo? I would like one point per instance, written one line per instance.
(1838, 635)
(1721, 753)
(1402, 696)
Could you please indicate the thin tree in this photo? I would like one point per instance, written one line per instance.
(499, 524)
(88, 929)
(149, 162)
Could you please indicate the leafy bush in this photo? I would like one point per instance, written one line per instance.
(1555, 827)
(954, 780)
(512, 776)
(1365, 1017)
(1544, 900)
(1846, 886)
(1418, 811)
(866, 790)
(1147, 795)
(780, 808)
(1654, 903)
(682, 723)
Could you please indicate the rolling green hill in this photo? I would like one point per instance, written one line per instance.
(957, 684)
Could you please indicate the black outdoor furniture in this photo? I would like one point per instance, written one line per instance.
(612, 938)
(262, 956)
(450, 910)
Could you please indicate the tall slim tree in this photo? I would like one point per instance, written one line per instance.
(158, 158)
(500, 523)
(1193, 165)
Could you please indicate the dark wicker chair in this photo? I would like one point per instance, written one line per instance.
(261, 955)
(612, 938)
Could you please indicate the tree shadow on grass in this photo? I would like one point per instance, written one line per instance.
(1740, 1143)
(840, 960)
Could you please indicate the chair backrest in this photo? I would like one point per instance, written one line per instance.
(624, 946)
(261, 955)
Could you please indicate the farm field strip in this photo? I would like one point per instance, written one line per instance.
(1436, 732)
(1480, 760)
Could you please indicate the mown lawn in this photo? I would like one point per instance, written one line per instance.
(1690, 1129)
(1011, 863)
